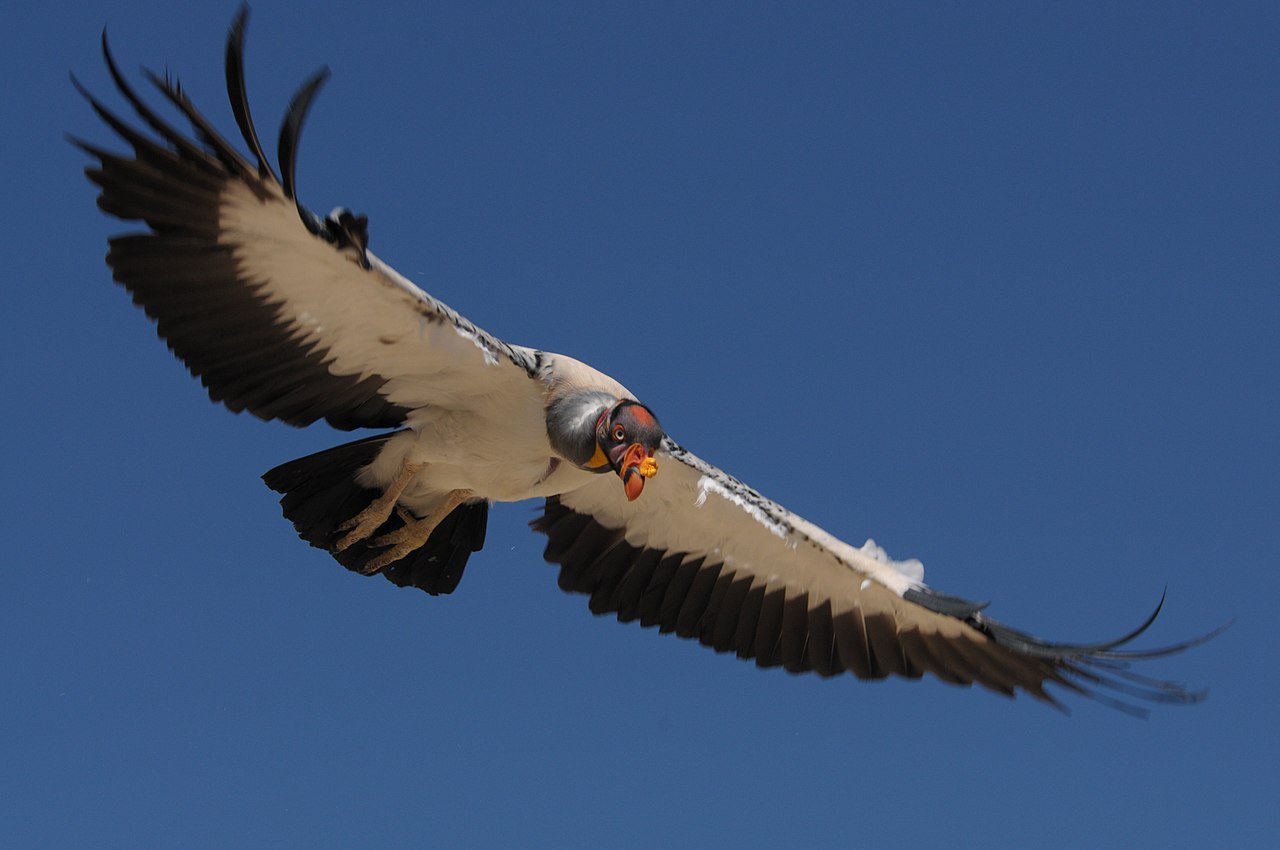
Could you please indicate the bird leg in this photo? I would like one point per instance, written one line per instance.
(414, 533)
(367, 521)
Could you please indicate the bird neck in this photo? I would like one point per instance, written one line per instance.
(571, 426)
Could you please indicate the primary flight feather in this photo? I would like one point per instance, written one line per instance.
(290, 316)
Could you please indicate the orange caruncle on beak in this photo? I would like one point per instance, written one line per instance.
(637, 465)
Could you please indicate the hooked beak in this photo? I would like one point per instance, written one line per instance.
(637, 465)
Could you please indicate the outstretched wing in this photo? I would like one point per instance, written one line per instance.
(703, 555)
(277, 311)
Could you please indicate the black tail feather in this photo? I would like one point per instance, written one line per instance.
(320, 492)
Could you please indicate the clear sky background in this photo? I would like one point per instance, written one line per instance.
(995, 284)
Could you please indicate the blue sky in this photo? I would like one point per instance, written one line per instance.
(995, 284)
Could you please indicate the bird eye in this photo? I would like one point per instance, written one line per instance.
(618, 433)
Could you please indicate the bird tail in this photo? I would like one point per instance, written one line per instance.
(320, 492)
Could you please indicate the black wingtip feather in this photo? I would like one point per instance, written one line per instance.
(237, 93)
(1031, 645)
(952, 606)
(291, 131)
(1103, 666)
(226, 154)
(180, 143)
(79, 86)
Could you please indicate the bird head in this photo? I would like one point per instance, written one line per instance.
(627, 435)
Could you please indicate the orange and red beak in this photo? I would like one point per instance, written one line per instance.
(637, 465)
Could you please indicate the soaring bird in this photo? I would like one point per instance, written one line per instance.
(290, 316)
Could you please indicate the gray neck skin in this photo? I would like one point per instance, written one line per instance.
(571, 424)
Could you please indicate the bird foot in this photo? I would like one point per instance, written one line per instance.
(409, 537)
(362, 525)
(413, 534)
(371, 518)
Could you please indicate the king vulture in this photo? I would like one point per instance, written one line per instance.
(290, 316)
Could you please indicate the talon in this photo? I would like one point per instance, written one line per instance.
(401, 534)
(364, 523)
(385, 559)
(403, 541)
(371, 518)
(413, 534)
